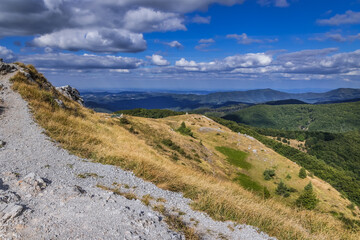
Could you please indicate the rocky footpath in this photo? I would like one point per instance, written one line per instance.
(46, 193)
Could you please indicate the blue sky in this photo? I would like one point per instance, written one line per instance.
(186, 44)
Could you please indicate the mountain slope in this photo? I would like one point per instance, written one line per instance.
(341, 117)
(45, 192)
(201, 167)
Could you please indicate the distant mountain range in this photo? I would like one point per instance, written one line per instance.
(110, 102)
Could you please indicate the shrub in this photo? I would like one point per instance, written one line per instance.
(302, 173)
(124, 120)
(269, 174)
(282, 190)
(184, 130)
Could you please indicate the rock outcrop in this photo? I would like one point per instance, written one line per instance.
(6, 68)
(71, 93)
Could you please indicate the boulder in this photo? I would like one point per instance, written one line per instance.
(71, 93)
(33, 182)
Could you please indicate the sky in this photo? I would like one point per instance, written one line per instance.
(208, 45)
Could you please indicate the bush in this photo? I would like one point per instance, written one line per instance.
(302, 173)
(308, 198)
(269, 174)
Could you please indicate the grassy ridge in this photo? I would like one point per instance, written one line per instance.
(209, 182)
(340, 117)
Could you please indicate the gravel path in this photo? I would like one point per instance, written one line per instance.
(43, 197)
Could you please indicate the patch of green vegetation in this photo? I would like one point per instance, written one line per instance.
(248, 183)
(336, 171)
(235, 157)
(185, 130)
(150, 113)
(307, 199)
(173, 146)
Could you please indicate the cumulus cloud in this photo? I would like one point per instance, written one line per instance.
(317, 63)
(7, 55)
(201, 20)
(158, 60)
(86, 61)
(149, 20)
(184, 63)
(349, 17)
(245, 39)
(108, 26)
(95, 40)
(250, 60)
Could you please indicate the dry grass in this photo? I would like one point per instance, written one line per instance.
(208, 182)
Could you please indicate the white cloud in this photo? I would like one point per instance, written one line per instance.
(95, 40)
(349, 17)
(173, 44)
(245, 39)
(250, 60)
(184, 63)
(6, 54)
(209, 40)
(149, 20)
(158, 60)
(281, 3)
(201, 20)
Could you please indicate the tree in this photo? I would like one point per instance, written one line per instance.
(307, 199)
(282, 190)
(269, 174)
(309, 187)
(302, 173)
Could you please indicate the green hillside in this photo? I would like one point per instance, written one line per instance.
(340, 117)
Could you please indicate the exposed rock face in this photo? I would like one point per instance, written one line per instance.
(71, 93)
(7, 68)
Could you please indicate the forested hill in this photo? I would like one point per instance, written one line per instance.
(340, 117)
